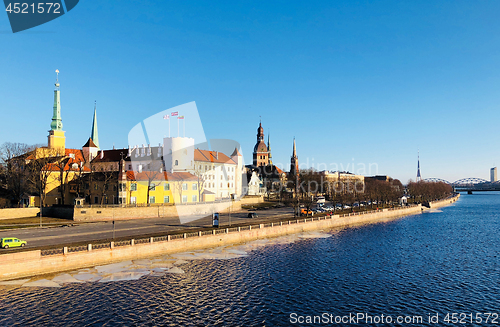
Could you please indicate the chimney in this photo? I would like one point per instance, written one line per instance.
(102, 154)
(129, 151)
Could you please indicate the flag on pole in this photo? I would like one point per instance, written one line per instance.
(180, 117)
(173, 114)
(165, 117)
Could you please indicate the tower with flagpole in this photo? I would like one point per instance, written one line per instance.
(56, 138)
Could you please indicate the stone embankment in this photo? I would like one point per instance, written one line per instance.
(31, 263)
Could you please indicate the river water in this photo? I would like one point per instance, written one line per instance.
(416, 267)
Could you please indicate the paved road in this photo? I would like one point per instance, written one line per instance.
(51, 236)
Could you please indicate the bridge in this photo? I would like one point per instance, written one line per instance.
(469, 184)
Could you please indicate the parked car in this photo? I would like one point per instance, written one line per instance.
(304, 212)
(252, 215)
(10, 242)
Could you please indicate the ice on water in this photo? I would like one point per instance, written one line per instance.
(41, 283)
(168, 264)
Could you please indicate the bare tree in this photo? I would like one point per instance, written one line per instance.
(13, 159)
(202, 178)
(154, 175)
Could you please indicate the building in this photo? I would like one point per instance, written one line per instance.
(493, 174)
(164, 188)
(260, 150)
(106, 176)
(262, 176)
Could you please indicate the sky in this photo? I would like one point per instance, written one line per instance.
(363, 86)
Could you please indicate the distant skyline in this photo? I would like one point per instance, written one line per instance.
(355, 82)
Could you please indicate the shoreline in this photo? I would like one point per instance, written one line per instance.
(34, 263)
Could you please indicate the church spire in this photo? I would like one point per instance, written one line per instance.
(419, 177)
(56, 124)
(294, 161)
(94, 135)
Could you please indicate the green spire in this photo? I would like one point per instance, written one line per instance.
(56, 124)
(94, 135)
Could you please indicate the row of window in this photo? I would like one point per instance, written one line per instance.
(212, 185)
(166, 187)
(166, 199)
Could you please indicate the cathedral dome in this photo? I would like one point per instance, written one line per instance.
(260, 147)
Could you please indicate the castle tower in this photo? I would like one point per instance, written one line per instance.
(56, 138)
(238, 176)
(419, 177)
(93, 134)
(294, 161)
(260, 151)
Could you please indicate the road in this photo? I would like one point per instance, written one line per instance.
(91, 232)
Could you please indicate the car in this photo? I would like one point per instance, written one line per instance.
(304, 212)
(10, 242)
(252, 215)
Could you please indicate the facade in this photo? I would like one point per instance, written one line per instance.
(493, 174)
(342, 177)
(164, 188)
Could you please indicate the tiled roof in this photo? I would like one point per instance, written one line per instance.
(212, 156)
(77, 159)
(111, 155)
(90, 144)
(145, 175)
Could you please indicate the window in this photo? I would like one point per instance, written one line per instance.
(133, 200)
(166, 199)
(86, 186)
(195, 198)
(129, 167)
(96, 187)
(195, 186)
(177, 162)
(152, 187)
(184, 199)
(96, 200)
(139, 168)
(151, 199)
(166, 187)
(133, 187)
(184, 186)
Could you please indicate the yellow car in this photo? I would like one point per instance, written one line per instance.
(10, 242)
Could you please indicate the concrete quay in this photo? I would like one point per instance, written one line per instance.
(32, 263)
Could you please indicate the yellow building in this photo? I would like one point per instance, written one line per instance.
(177, 187)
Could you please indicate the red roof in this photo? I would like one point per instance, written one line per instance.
(76, 157)
(145, 175)
(212, 156)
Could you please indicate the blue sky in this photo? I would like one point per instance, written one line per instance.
(363, 82)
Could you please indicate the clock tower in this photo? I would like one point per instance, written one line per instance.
(57, 140)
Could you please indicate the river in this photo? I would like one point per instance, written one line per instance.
(414, 271)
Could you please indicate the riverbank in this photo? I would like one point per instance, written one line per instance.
(32, 263)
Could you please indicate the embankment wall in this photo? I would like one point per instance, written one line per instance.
(107, 213)
(31, 263)
(11, 213)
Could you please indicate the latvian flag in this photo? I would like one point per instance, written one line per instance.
(173, 114)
